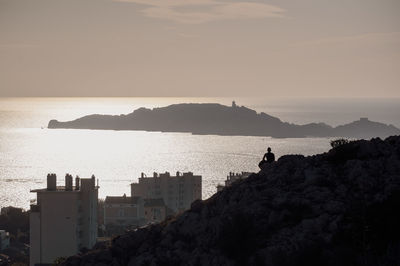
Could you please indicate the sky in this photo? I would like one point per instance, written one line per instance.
(193, 48)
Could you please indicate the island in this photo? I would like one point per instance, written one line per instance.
(217, 119)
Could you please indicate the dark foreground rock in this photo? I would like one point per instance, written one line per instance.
(337, 208)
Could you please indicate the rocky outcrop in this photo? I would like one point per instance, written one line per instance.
(218, 119)
(336, 208)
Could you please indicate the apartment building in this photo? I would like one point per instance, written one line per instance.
(124, 211)
(64, 219)
(232, 177)
(178, 192)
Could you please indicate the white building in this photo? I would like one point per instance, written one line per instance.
(232, 177)
(64, 220)
(4, 240)
(178, 192)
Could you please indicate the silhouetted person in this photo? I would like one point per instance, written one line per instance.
(269, 157)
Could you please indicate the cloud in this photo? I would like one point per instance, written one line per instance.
(202, 11)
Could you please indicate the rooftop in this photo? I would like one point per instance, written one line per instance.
(167, 174)
(59, 189)
(121, 200)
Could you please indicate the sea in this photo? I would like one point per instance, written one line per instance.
(29, 151)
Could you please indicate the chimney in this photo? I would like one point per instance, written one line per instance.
(154, 174)
(77, 181)
(93, 180)
(68, 182)
(51, 182)
(177, 173)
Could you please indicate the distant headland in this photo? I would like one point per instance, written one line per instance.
(217, 119)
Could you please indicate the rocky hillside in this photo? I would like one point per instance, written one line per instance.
(336, 208)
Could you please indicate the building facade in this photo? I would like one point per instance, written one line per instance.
(124, 211)
(8, 210)
(63, 220)
(232, 177)
(178, 192)
(155, 210)
(4, 240)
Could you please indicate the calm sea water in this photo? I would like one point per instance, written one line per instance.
(28, 150)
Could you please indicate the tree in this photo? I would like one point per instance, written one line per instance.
(339, 142)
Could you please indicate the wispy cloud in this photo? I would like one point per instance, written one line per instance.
(202, 11)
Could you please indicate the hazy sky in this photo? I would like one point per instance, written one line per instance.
(277, 48)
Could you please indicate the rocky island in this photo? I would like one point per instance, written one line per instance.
(217, 119)
(336, 208)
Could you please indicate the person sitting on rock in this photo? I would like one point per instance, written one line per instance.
(269, 157)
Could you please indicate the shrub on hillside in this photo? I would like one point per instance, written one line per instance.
(338, 142)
